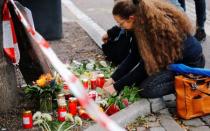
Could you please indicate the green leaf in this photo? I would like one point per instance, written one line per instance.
(120, 104)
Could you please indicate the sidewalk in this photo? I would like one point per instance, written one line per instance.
(162, 110)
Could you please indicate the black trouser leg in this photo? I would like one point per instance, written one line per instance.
(200, 9)
(182, 2)
(158, 85)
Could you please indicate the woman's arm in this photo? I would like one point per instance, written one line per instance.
(135, 76)
(128, 64)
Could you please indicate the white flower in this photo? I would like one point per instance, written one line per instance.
(69, 117)
(76, 63)
(37, 122)
(78, 120)
(103, 63)
(103, 103)
(90, 66)
(92, 61)
(37, 115)
(46, 116)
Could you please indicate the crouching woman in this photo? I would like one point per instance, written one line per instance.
(163, 35)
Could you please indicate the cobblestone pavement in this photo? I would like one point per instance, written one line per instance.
(163, 118)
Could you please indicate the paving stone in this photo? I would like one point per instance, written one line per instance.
(157, 129)
(123, 117)
(206, 119)
(172, 110)
(170, 104)
(141, 129)
(157, 104)
(201, 128)
(151, 118)
(170, 97)
(169, 123)
(154, 124)
(193, 122)
(164, 112)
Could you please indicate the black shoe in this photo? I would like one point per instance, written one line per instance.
(200, 34)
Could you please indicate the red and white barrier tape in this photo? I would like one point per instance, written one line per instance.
(10, 44)
(71, 80)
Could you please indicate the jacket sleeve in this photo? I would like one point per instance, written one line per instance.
(113, 32)
(135, 76)
(128, 63)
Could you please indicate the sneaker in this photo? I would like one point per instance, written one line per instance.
(200, 34)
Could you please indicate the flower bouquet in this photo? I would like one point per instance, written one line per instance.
(44, 90)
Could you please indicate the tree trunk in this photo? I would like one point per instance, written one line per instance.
(8, 84)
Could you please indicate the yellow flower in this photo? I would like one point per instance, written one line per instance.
(42, 77)
(48, 77)
(58, 78)
(101, 109)
(44, 80)
(41, 82)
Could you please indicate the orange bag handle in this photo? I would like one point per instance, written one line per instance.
(195, 86)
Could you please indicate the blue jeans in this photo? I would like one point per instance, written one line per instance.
(200, 9)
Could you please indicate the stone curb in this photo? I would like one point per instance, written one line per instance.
(123, 117)
(92, 28)
(169, 123)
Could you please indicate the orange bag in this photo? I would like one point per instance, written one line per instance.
(192, 96)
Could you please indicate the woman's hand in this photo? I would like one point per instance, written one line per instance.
(105, 38)
(108, 82)
(110, 89)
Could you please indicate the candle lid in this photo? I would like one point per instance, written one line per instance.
(72, 99)
(60, 95)
(100, 75)
(85, 80)
(27, 112)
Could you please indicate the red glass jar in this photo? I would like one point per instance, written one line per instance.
(66, 91)
(100, 80)
(83, 114)
(93, 95)
(27, 120)
(61, 113)
(61, 99)
(85, 83)
(72, 105)
(93, 83)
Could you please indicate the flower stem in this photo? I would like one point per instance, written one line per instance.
(61, 126)
(69, 127)
(48, 128)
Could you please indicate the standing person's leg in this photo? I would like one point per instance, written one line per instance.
(182, 3)
(200, 8)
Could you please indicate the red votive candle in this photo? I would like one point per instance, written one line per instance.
(62, 113)
(93, 83)
(100, 80)
(85, 83)
(27, 120)
(72, 106)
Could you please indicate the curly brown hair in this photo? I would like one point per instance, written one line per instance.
(160, 29)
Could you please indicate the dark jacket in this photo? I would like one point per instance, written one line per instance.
(118, 45)
(132, 70)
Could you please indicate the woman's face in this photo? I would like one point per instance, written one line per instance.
(127, 24)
